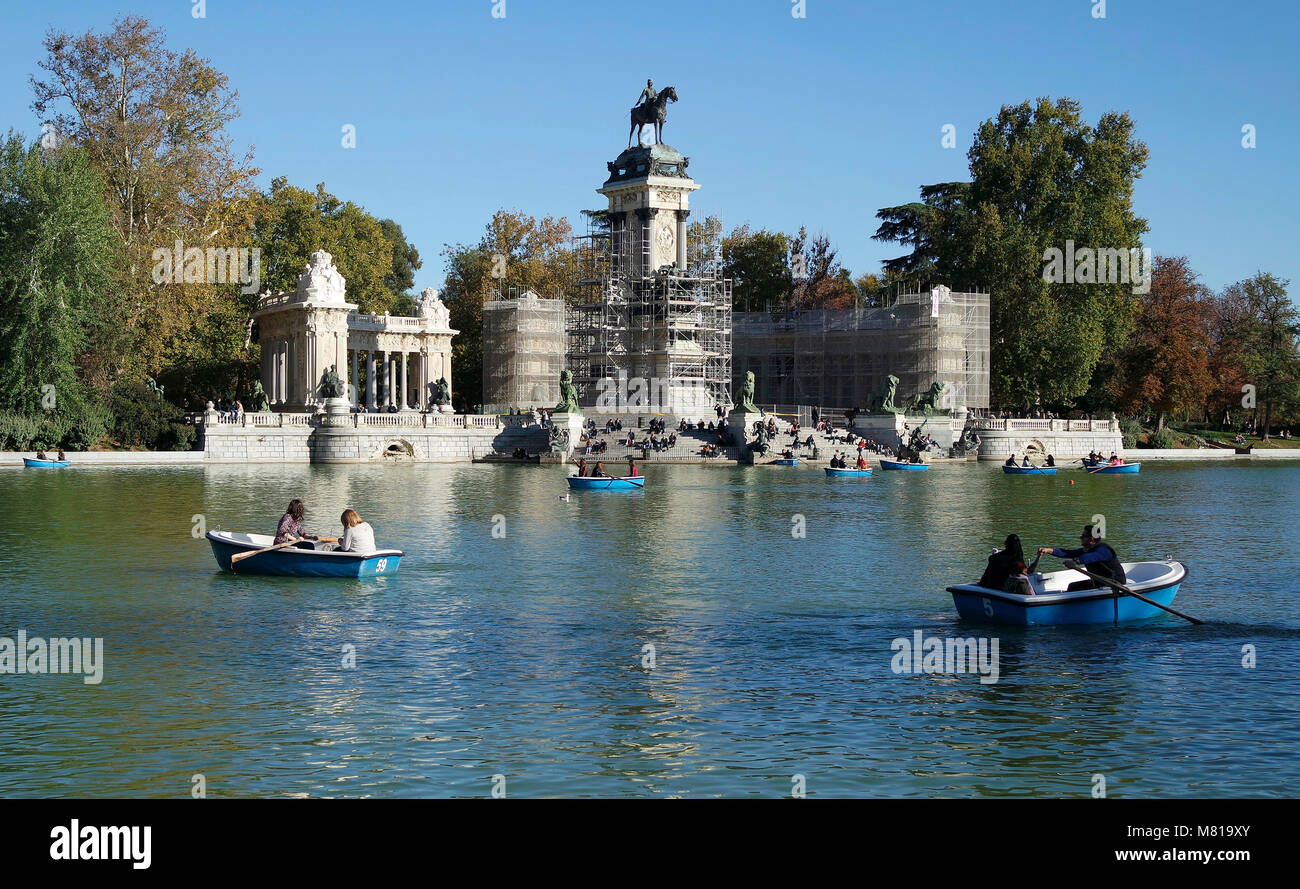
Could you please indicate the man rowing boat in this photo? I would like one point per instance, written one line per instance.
(1095, 554)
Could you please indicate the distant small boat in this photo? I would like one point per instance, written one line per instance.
(32, 463)
(1107, 469)
(786, 461)
(1052, 605)
(903, 465)
(294, 562)
(1029, 470)
(607, 483)
(847, 473)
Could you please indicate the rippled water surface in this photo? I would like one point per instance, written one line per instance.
(523, 656)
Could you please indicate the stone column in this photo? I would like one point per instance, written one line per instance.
(403, 396)
(390, 361)
(681, 238)
(356, 381)
(370, 378)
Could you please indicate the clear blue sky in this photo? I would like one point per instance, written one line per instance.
(817, 121)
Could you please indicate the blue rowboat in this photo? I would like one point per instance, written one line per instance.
(1052, 605)
(1029, 470)
(607, 483)
(848, 473)
(294, 562)
(1107, 469)
(903, 465)
(784, 461)
(44, 464)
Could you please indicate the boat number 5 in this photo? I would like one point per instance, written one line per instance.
(988, 605)
(383, 563)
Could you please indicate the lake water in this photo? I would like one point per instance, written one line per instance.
(522, 655)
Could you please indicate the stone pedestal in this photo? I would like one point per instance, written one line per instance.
(565, 430)
(741, 426)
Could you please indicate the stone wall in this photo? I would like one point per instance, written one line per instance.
(1000, 439)
(316, 443)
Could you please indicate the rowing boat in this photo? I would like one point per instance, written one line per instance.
(1108, 469)
(786, 461)
(295, 562)
(1029, 470)
(607, 483)
(32, 463)
(847, 473)
(1053, 605)
(903, 465)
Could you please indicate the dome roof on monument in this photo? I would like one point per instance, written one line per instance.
(644, 161)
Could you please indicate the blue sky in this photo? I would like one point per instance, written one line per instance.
(817, 121)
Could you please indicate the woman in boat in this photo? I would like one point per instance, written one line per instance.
(1051, 461)
(1006, 568)
(1026, 464)
(862, 461)
(1096, 556)
(599, 471)
(358, 536)
(40, 455)
(290, 527)
(583, 470)
(632, 471)
(1114, 459)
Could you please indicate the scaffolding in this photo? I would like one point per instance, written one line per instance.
(668, 329)
(841, 358)
(523, 351)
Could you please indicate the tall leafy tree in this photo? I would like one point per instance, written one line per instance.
(292, 223)
(1165, 366)
(1267, 325)
(758, 264)
(153, 122)
(516, 252)
(1040, 177)
(59, 272)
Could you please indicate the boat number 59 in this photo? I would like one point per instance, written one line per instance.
(988, 605)
(383, 563)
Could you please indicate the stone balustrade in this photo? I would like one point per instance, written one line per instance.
(402, 419)
(1026, 424)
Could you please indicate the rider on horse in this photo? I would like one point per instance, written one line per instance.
(648, 95)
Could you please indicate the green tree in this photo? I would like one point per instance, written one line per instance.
(1040, 177)
(153, 122)
(758, 264)
(60, 268)
(516, 252)
(1268, 327)
(292, 224)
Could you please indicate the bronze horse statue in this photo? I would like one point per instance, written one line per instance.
(651, 113)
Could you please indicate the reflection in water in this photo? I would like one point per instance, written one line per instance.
(522, 654)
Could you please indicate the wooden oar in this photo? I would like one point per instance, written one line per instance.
(1123, 589)
(241, 556)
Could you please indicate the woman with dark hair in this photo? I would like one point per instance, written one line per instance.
(1006, 567)
(291, 528)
